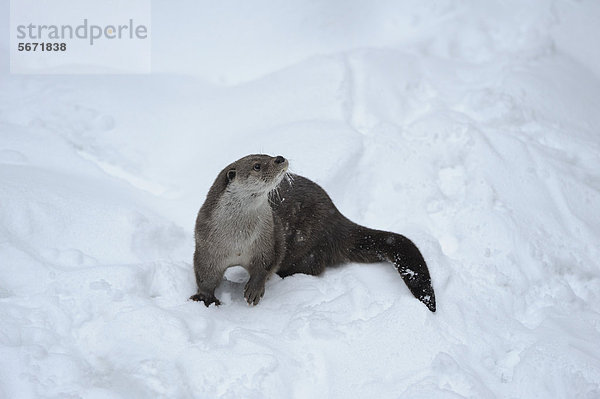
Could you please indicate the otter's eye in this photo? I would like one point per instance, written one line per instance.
(256, 166)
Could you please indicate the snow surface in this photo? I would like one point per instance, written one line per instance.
(471, 127)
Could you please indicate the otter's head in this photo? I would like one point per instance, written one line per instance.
(255, 175)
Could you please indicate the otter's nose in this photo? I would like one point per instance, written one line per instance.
(279, 159)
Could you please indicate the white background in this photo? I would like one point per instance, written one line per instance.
(124, 55)
(470, 127)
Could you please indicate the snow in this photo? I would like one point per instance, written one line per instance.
(470, 127)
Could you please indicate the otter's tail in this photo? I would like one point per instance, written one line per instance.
(377, 246)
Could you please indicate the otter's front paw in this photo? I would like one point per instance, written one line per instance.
(207, 299)
(254, 292)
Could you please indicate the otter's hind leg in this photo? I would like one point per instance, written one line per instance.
(309, 263)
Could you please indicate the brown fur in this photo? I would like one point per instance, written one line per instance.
(254, 219)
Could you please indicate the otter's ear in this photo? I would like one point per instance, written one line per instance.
(231, 174)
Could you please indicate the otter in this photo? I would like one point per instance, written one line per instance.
(259, 216)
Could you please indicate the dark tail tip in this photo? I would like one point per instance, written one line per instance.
(428, 300)
(422, 289)
(412, 267)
